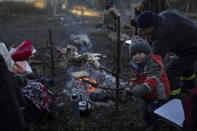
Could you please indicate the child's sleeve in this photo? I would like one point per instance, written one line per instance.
(154, 72)
(151, 82)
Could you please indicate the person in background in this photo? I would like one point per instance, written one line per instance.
(156, 6)
(11, 100)
(109, 16)
(173, 33)
(150, 80)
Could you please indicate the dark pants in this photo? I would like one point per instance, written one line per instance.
(148, 108)
(180, 66)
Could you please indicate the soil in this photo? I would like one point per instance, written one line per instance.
(15, 30)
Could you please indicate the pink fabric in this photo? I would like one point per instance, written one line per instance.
(23, 51)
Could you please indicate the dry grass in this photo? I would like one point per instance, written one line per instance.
(16, 9)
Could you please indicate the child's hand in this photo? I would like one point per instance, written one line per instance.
(128, 90)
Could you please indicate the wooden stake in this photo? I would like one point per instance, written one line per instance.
(51, 51)
(118, 63)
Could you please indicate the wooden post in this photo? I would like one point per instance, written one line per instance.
(118, 49)
(188, 6)
(51, 51)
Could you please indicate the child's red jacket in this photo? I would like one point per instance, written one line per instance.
(151, 79)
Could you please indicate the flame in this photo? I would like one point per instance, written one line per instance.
(90, 87)
(83, 11)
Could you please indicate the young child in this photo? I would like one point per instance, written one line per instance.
(151, 82)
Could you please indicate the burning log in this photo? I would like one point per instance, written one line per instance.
(97, 91)
(91, 83)
(95, 85)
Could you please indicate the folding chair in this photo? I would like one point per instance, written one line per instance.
(171, 113)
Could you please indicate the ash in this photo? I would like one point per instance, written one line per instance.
(104, 80)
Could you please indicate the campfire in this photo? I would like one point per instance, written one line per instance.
(86, 77)
(91, 84)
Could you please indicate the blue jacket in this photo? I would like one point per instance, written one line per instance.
(174, 33)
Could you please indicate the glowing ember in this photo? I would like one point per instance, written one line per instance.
(90, 84)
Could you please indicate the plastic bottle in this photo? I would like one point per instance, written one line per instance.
(75, 107)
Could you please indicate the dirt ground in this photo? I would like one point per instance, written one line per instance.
(15, 30)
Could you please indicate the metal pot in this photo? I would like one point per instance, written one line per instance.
(85, 108)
